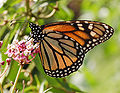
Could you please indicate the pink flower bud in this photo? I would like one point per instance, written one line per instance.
(2, 63)
(1, 42)
(8, 60)
(12, 82)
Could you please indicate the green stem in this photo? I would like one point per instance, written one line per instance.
(27, 7)
(18, 74)
(1, 88)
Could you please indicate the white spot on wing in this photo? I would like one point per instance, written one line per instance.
(94, 40)
(92, 33)
(77, 21)
(79, 24)
(105, 26)
(86, 22)
(90, 26)
(68, 21)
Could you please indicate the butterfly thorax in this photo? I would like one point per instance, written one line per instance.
(36, 34)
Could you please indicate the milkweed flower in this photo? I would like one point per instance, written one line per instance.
(1, 42)
(8, 60)
(2, 63)
(20, 51)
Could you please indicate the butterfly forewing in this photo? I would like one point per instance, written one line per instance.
(63, 45)
(87, 33)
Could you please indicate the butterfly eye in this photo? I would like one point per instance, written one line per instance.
(63, 45)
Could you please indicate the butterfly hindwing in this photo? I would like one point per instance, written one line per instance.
(60, 55)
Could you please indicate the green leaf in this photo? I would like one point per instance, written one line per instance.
(13, 70)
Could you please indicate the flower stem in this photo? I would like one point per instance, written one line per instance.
(6, 68)
(18, 74)
(1, 88)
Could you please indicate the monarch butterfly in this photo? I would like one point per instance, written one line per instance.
(63, 45)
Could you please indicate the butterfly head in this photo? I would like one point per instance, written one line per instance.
(36, 33)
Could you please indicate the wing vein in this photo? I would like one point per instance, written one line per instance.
(47, 56)
(69, 52)
(56, 59)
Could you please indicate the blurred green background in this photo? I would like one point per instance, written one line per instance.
(100, 72)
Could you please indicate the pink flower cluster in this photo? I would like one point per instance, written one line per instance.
(20, 51)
